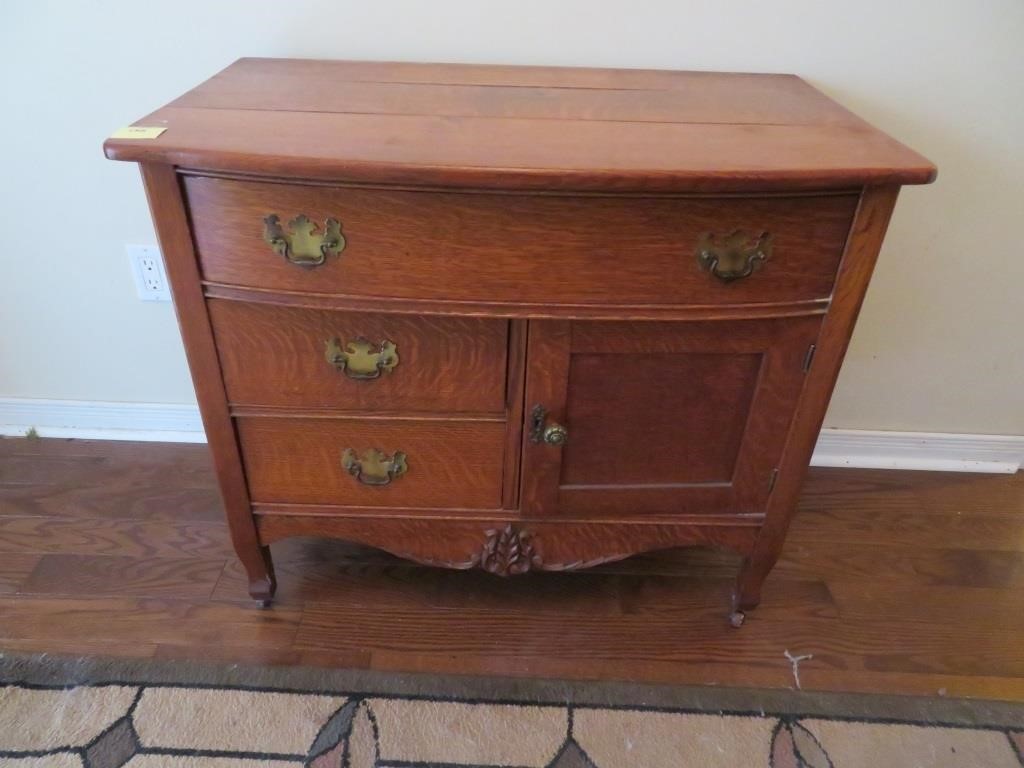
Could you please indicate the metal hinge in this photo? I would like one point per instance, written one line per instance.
(771, 480)
(809, 357)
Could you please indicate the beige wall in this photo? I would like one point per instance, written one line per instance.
(938, 347)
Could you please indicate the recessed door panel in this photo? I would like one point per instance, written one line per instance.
(659, 418)
(665, 418)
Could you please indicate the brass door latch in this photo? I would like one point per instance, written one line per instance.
(542, 432)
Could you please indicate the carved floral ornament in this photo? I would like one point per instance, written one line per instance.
(509, 552)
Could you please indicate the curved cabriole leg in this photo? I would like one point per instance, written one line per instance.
(862, 247)
(169, 214)
(260, 570)
(747, 594)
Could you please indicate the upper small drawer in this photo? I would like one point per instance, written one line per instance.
(306, 358)
(533, 249)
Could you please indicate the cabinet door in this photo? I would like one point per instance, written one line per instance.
(659, 418)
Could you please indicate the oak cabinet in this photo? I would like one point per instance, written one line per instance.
(514, 319)
(661, 418)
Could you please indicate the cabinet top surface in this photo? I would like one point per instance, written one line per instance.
(521, 128)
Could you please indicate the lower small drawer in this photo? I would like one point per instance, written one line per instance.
(373, 462)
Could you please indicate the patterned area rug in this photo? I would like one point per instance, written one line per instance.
(66, 713)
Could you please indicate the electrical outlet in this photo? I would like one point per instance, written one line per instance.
(148, 270)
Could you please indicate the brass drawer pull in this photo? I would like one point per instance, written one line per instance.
(541, 432)
(734, 256)
(303, 245)
(359, 360)
(375, 467)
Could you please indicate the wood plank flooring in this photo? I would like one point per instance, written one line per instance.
(896, 582)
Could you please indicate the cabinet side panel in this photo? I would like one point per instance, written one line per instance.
(859, 257)
(171, 221)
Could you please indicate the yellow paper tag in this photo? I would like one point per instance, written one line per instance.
(137, 132)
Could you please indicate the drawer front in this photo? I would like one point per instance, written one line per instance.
(451, 246)
(286, 356)
(373, 462)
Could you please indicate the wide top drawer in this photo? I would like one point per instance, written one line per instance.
(517, 248)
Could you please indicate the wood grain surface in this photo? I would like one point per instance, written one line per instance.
(897, 582)
(547, 385)
(450, 463)
(275, 356)
(691, 410)
(568, 196)
(558, 546)
(664, 418)
(503, 308)
(455, 90)
(522, 127)
(518, 248)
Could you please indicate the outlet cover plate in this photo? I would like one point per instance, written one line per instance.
(148, 271)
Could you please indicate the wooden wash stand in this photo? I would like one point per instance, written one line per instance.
(514, 318)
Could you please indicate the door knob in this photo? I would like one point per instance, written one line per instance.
(552, 434)
(556, 434)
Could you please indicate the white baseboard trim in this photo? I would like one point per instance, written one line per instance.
(873, 449)
(88, 420)
(935, 451)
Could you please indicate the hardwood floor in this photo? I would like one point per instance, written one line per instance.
(896, 582)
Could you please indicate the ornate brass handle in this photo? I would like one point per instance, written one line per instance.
(734, 256)
(374, 468)
(359, 360)
(552, 434)
(303, 245)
